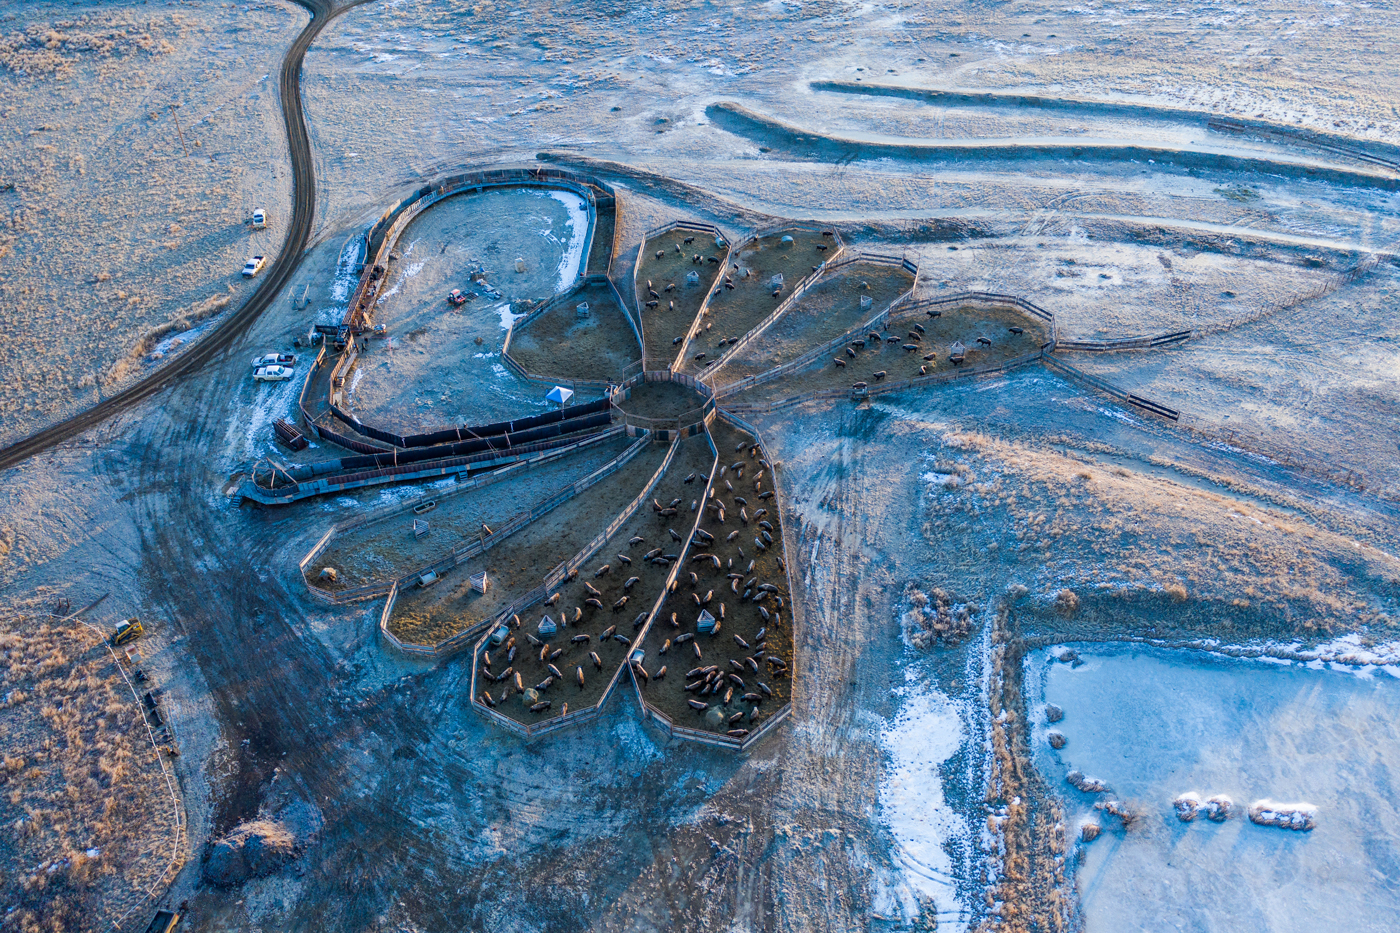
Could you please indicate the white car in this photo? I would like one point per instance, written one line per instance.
(274, 359)
(272, 374)
(259, 218)
(254, 266)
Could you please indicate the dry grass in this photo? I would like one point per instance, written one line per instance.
(88, 817)
(1118, 550)
(112, 238)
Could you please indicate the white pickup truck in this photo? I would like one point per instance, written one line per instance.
(274, 359)
(254, 266)
(271, 374)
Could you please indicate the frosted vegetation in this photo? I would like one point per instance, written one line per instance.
(113, 238)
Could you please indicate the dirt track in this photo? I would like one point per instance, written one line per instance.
(278, 272)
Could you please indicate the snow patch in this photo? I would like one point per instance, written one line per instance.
(926, 733)
(577, 223)
(506, 315)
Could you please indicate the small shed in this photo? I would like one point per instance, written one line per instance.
(548, 629)
(706, 623)
(692, 278)
(479, 582)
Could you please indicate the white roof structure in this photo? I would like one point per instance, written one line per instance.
(560, 395)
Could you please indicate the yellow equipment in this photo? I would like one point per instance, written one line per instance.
(128, 630)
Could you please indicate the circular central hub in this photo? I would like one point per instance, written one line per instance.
(661, 401)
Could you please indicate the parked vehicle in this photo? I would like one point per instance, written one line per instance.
(127, 630)
(455, 298)
(165, 921)
(254, 266)
(272, 374)
(274, 359)
(259, 218)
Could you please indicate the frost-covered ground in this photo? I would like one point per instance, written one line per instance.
(441, 365)
(1156, 724)
(927, 731)
(875, 798)
(117, 238)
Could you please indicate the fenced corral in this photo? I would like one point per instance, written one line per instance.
(556, 306)
(575, 717)
(686, 424)
(651, 710)
(460, 641)
(534, 730)
(709, 309)
(1136, 401)
(817, 279)
(382, 236)
(680, 321)
(454, 555)
(384, 233)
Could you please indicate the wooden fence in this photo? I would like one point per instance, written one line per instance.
(799, 288)
(710, 229)
(459, 641)
(1135, 400)
(804, 286)
(398, 509)
(1150, 342)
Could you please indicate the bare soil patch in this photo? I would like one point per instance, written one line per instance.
(389, 549)
(562, 344)
(963, 325)
(90, 825)
(576, 617)
(733, 312)
(675, 309)
(519, 563)
(829, 309)
(702, 586)
(661, 400)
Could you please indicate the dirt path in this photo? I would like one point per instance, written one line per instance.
(227, 331)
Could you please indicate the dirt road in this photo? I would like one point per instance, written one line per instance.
(278, 273)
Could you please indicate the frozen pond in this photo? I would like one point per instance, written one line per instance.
(1154, 724)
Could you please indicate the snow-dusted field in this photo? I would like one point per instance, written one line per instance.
(896, 794)
(118, 239)
(1158, 724)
